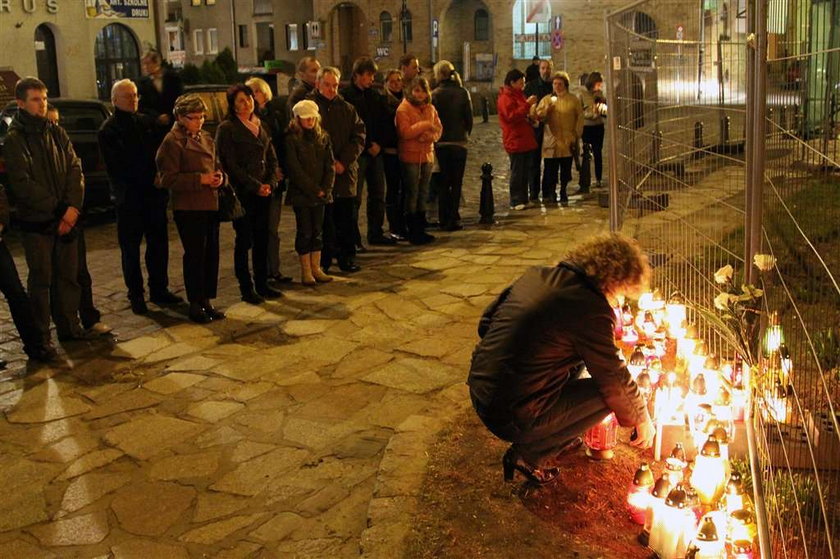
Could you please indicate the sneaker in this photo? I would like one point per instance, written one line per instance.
(165, 298)
(518, 207)
(100, 329)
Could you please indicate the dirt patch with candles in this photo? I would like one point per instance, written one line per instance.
(467, 510)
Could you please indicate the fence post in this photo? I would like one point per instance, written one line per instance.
(725, 129)
(486, 206)
(698, 139)
(612, 123)
(585, 174)
(485, 109)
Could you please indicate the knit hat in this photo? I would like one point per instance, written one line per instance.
(306, 109)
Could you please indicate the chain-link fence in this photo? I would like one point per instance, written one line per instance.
(724, 122)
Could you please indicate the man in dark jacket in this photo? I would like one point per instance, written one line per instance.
(19, 304)
(347, 133)
(454, 108)
(370, 105)
(128, 143)
(539, 86)
(47, 186)
(158, 89)
(307, 71)
(394, 196)
(536, 338)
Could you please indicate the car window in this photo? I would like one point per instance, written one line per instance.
(81, 119)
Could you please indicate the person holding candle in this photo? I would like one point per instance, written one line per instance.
(537, 337)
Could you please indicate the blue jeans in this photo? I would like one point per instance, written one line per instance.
(415, 179)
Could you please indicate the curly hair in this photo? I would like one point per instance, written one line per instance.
(614, 262)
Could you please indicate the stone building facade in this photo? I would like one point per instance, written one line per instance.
(78, 48)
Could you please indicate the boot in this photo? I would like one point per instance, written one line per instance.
(417, 230)
(306, 268)
(316, 271)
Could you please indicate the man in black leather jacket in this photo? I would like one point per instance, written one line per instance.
(537, 337)
(128, 143)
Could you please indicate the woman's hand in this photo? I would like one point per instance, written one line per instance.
(213, 180)
(265, 190)
(531, 100)
(645, 432)
(322, 194)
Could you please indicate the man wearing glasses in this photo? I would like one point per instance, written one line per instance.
(129, 143)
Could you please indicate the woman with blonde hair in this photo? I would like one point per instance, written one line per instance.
(311, 173)
(536, 339)
(187, 166)
(418, 128)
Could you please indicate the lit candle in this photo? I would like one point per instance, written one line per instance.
(656, 505)
(742, 527)
(735, 493)
(709, 474)
(637, 361)
(776, 403)
(742, 550)
(707, 543)
(773, 335)
(601, 439)
(673, 530)
(638, 495)
(675, 315)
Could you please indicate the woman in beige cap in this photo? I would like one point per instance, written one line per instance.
(310, 172)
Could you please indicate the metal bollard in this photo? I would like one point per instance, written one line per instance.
(487, 207)
(485, 109)
(698, 139)
(586, 168)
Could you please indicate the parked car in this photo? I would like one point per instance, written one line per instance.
(215, 97)
(81, 118)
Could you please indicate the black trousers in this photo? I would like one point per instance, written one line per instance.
(339, 232)
(594, 136)
(310, 226)
(452, 160)
(372, 174)
(199, 232)
(520, 169)
(534, 176)
(394, 194)
(88, 313)
(553, 166)
(579, 407)
(274, 210)
(133, 224)
(252, 237)
(53, 282)
(19, 305)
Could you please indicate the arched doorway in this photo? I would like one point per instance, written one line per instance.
(468, 22)
(46, 60)
(348, 36)
(116, 56)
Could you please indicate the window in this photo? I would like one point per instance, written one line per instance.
(263, 7)
(292, 37)
(210, 2)
(243, 36)
(212, 41)
(116, 56)
(386, 27)
(481, 22)
(195, 3)
(198, 41)
(525, 40)
(405, 16)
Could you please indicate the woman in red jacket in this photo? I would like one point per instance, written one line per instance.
(418, 128)
(517, 134)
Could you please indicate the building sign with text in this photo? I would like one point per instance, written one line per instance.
(116, 9)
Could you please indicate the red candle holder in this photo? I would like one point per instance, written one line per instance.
(638, 495)
(601, 439)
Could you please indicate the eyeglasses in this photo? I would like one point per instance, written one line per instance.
(194, 118)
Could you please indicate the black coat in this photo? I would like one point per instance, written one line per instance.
(309, 168)
(547, 323)
(248, 160)
(455, 111)
(370, 105)
(44, 173)
(128, 142)
(4, 209)
(389, 137)
(155, 103)
(347, 134)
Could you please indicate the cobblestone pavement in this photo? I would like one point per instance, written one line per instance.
(293, 429)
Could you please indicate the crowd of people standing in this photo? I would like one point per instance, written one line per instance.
(314, 150)
(544, 126)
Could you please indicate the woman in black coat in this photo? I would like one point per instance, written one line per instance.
(247, 155)
(536, 339)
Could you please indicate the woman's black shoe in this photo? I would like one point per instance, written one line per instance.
(198, 314)
(213, 312)
(512, 462)
(267, 292)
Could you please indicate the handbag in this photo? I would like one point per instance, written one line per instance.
(229, 206)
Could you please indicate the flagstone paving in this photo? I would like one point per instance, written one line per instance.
(297, 428)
